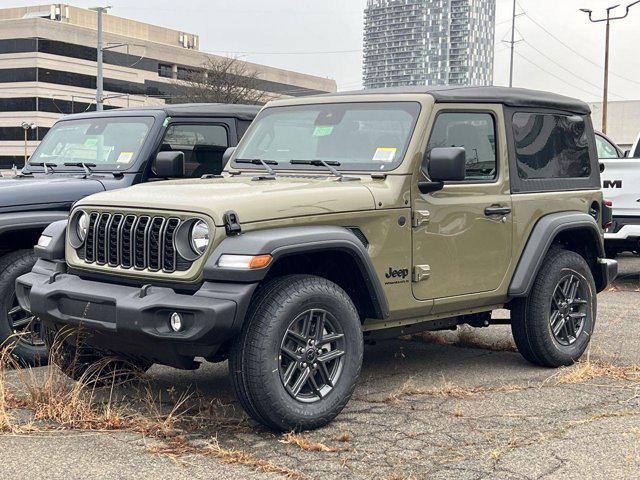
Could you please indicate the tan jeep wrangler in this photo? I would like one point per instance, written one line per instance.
(339, 218)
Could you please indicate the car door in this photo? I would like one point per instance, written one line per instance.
(462, 234)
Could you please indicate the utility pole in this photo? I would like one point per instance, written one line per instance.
(608, 19)
(513, 43)
(99, 51)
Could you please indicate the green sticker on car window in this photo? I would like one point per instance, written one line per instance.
(90, 142)
(323, 130)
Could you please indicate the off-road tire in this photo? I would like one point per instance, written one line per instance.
(12, 266)
(530, 317)
(255, 357)
(86, 364)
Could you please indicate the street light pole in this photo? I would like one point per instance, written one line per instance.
(608, 19)
(99, 51)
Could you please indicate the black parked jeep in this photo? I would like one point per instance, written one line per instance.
(89, 153)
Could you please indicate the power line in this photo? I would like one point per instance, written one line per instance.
(286, 53)
(542, 27)
(555, 76)
(567, 70)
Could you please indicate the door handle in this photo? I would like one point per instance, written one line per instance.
(497, 210)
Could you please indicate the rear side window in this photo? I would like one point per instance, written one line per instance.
(551, 146)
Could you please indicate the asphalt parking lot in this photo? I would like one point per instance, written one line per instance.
(456, 405)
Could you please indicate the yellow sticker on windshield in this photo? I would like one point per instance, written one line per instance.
(124, 157)
(323, 130)
(384, 154)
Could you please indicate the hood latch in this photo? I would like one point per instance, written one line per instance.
(231, 223)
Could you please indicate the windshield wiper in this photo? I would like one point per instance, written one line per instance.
(329, 164)
(47, 166)
(259, 161)
(84, 165)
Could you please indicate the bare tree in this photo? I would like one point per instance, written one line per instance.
(220, 80)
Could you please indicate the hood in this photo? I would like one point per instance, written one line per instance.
(284, 197)
(45, 189)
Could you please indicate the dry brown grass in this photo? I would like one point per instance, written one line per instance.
(448, 389)
(178, 447)
(58, 403)
(304, 443)
(343, 437)
(586, 370)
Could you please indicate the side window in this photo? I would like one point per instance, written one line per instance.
(473, 131)
(550, 146)
(605, 148)
(203, 146)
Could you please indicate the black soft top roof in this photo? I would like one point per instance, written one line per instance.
(242, 112)
(512, 97)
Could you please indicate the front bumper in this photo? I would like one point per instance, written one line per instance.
(135, 320)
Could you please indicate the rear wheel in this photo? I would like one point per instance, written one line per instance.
(18, 328)
(553, 326)
(296, 362)
(86, 364)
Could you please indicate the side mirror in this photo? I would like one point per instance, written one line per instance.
(169, 165)
(226, 156)
(443, 165)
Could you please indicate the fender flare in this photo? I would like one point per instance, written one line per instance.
(287, 241)
(26, 220)
(539, 242)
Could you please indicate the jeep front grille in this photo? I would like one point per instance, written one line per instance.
(141, 242)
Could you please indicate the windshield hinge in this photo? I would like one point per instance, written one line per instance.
(420, 217)
(231, 223)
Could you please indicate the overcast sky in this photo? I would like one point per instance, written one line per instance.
(324, 37)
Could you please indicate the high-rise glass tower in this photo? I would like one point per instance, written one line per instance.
(428, 42)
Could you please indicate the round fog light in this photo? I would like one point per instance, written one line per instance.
(176, 322)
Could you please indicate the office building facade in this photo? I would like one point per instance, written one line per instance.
(48, 69)
(428, 42)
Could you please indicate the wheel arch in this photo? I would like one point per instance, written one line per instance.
(21, 229)
(575, 231)
(335, 253)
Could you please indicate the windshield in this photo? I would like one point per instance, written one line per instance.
(109, 143)
(358, 136)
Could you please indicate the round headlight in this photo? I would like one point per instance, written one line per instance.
(82, 226)
(199, 237)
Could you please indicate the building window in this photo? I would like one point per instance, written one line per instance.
(165, 70)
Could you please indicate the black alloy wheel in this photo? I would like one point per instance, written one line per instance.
(568, 310)
(312, 355)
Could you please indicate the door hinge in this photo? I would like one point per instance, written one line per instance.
(420, 217)
(421, 272)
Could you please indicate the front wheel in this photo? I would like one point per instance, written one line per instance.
(19, 330)
(299, 355)
(554, 324)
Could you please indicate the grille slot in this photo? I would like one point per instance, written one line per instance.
(129, 241)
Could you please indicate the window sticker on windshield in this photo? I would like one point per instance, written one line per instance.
(323, 130)
(384, 154)
(124, 157)
(90, 142)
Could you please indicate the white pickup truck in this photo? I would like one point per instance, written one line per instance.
(621, 185)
